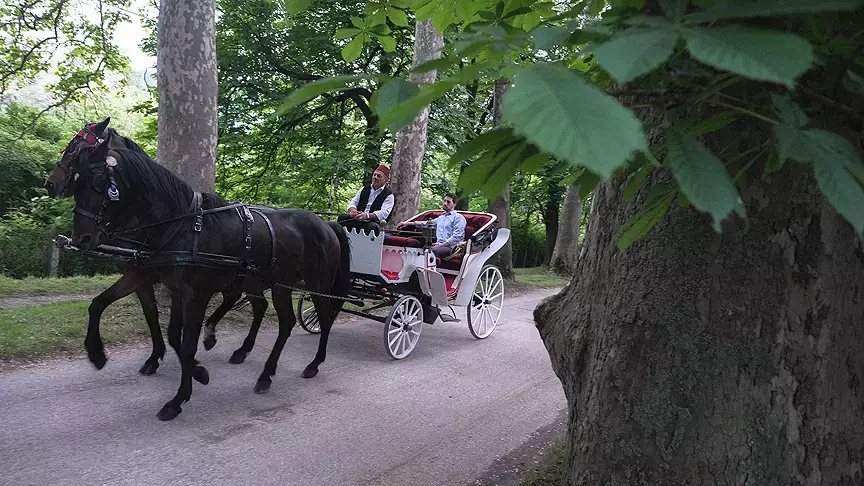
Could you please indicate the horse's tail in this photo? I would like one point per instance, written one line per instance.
(342, 284)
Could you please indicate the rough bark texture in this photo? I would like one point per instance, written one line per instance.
(500, 207)
(567, 244)
(411, 140)
(703, 358)
(188, 88)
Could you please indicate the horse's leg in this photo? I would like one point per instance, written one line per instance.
(126, 285)
(228, 301)
(259, 307)
(151, 315)
(194, 308)
(285, 310)
(323, 308)
(175, 323)
(175, 335)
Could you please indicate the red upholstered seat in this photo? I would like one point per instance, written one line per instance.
(473, 222)
(405, 241)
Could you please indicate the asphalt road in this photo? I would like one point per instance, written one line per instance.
(442, 416)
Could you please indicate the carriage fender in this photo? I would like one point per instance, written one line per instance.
(472, 271)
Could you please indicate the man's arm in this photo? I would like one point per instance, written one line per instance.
(458, 231)
(352, 206)
(382, 213)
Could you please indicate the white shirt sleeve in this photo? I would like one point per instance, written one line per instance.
(386, 207)
(354, 202)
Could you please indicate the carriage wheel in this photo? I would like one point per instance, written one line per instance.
(486, 303)
(307, 316)
(402, 326)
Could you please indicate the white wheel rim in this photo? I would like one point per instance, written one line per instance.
(310, 317)
(404, 325)
(487, 302)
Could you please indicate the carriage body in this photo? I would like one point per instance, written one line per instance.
(393, 259)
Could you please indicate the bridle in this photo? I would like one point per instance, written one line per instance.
(91, 139)
(111, 193)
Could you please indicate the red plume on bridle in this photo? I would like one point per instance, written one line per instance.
(87, 134)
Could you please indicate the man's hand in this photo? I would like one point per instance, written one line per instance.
(353, 212)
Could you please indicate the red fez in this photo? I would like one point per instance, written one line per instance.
(383, 169)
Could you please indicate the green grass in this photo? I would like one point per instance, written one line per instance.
(550, 472)
(539, 277)
(60, 328)
(55, 286)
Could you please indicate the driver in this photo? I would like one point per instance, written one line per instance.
(372, 204)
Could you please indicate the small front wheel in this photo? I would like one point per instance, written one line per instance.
(402, 326)
(307, 316)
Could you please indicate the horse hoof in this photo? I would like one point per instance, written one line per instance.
(237, 357)
(168, 413)
(98, 360)
(201, 375)
(209, 342)
(148, 368)
(309, 372)
(262, 387)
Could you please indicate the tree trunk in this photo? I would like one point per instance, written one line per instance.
(702, 358)
(54, 261)
(567, 244)
(188, 88)
(500, 207)
(411, 140)
(550, 222)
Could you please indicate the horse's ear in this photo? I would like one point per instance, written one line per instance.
(101, 126)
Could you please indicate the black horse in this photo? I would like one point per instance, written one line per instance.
(135, 279)
(275, 249)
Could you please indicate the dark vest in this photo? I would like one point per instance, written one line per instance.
(376, 204)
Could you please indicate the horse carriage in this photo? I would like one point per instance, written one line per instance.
(134, 212)
(398, 270)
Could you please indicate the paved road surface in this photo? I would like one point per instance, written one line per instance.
(440, 417)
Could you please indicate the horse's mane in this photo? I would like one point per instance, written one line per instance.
(127, 142)
(145, 175)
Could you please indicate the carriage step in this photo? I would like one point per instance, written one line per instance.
(446, 318)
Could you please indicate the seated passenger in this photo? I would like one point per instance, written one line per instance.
(449, 228)
(371, 205)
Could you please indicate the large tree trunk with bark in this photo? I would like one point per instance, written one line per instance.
(411, 140)
(702, 358)
(188, 89)
(500, 206)
(567, 243)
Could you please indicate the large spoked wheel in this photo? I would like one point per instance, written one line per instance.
(307, 316)
(486, 303)
(403, 326)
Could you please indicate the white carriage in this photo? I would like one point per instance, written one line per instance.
(398, 270)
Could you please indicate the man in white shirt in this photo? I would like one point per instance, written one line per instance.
(372, 204)
(449, 227)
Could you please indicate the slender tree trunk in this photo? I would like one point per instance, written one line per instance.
(54, 261)
(411, 140)
(188, 88)
(567, 244)
(550, 221)
(702, 358)
(500, 207)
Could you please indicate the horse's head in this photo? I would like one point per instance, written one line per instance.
(96, 187)
(59, 182)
